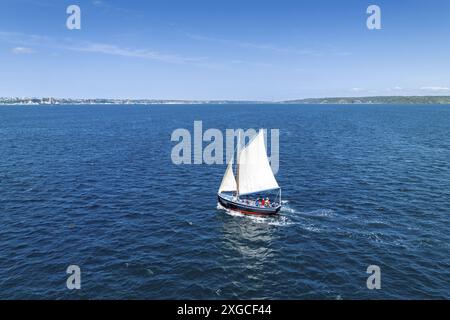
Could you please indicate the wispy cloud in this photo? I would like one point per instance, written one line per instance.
(396, 89)
(336, 51)
(328, 50)
(98, 3)
(24, 41)
(435, 89)
(133, 53)
(22, 50)
(252, 45)
(114, 9)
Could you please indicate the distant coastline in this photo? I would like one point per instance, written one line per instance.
(101, 101)
(375, 100)
(333, 100)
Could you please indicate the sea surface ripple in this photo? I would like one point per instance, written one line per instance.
(95, 186)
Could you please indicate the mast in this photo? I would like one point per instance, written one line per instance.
(237, 163)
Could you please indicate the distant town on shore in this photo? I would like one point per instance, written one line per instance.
(335, 100)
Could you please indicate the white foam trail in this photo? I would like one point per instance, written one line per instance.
(220, 207)
(322, 213)
(287, 209)
(310, 228)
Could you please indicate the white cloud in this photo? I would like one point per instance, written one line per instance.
(251, 45)
(357, 89)
(396, 88)
(21, 38)
(23, 41)
(22, 50)
(435, 88)
(133, 53)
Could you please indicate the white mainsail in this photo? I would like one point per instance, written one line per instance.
(255, 173)
(228, 182)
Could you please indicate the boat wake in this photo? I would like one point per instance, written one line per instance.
(319, 213)
(287, 216)
(287, 209)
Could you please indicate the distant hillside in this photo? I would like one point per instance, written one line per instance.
(342, 100)
(106, 101)
(376, 100)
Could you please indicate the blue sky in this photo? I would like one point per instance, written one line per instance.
(224, 49)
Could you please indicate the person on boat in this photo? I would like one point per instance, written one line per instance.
(267, 202)
(263, 202)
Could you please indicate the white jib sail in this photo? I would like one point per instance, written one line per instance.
(255, 173)
(228, 182)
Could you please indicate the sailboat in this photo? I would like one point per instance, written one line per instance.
(252, 191)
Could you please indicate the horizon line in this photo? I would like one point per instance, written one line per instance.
(220, 100)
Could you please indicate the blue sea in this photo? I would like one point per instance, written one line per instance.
(95, 186)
